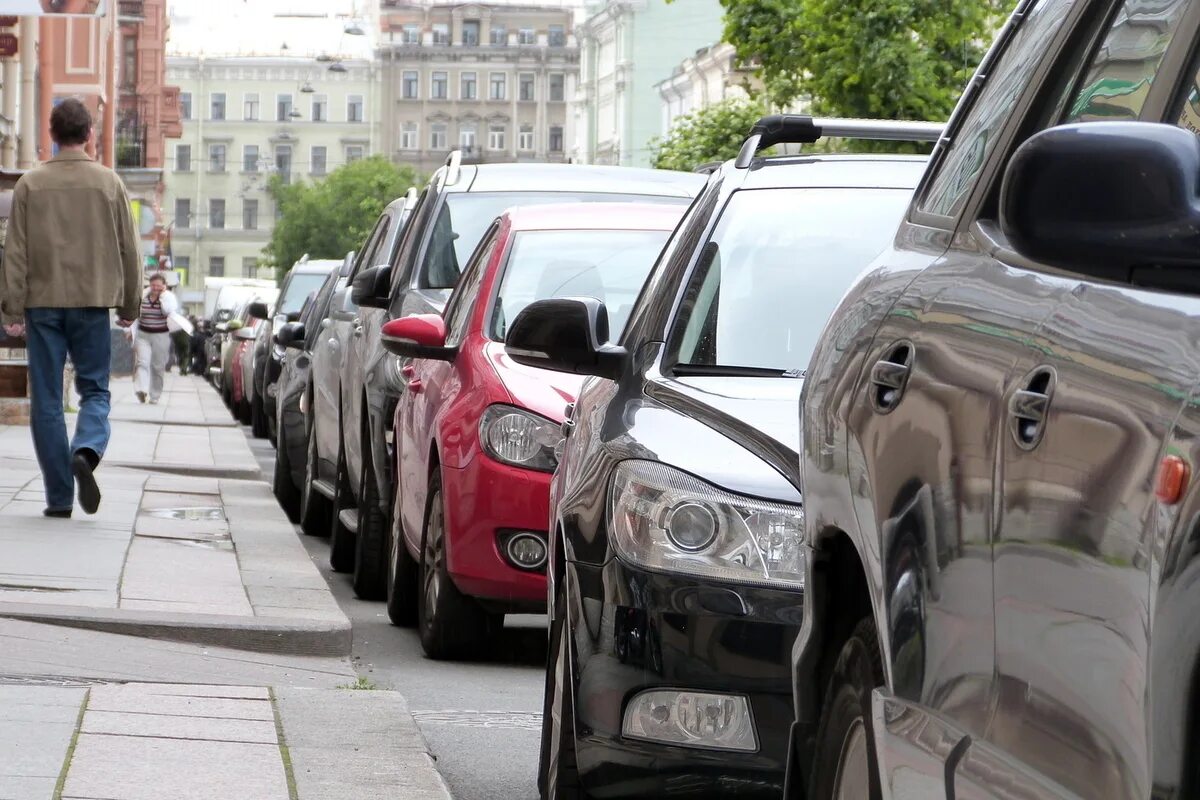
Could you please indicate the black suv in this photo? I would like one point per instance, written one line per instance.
(1000, 430)
(677, 567)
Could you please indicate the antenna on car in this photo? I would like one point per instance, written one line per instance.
(803, 129)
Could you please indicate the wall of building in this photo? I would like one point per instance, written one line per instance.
(529, 49)
(709, 77)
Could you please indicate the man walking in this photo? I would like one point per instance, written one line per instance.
(72, 254)
(152, 339)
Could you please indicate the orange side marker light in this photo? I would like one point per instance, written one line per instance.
(1173, 474)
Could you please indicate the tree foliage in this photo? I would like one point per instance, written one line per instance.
(714, 133)
(886, 59)
(333, 216)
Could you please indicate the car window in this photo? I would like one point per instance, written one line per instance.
(410, 237)
(1119, 79)
(318, 310)
(1188, 116)
(777, 264)
(610, 266)
(458, 309)
(299, 287)
(947, 191)
(369, 246)
(464, 217)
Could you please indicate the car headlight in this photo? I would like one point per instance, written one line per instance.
(515, 436)
(664, 519)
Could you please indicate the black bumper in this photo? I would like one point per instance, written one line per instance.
(636, 630)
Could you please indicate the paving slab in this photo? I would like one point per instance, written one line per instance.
(37, 724)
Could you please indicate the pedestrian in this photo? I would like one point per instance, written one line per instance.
(200, 336)
(152, 338)
(72, 254)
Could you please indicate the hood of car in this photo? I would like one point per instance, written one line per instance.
(540, 390)
(760, 414)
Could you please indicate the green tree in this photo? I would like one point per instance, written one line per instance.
(886, 59)
(330, 217)
(714, 133)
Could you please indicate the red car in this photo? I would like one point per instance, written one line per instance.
(476, 433)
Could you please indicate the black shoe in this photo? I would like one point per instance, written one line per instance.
(89, 492)
(57, 513)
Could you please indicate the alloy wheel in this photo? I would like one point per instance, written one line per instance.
(433, 556)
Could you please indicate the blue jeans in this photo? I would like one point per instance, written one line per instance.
(51, 334)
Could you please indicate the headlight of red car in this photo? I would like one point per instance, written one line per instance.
(518, 437)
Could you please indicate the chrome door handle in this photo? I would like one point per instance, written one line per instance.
(1028, 408)
(358, 331)
(408, 371)
(889, 377)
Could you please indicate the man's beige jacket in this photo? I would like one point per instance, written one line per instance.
(71, 241)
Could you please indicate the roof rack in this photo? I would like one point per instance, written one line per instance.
(453, 168)
(410, 198)
(803, 129)
(709, 168)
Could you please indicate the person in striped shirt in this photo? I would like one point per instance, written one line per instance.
(153, 339)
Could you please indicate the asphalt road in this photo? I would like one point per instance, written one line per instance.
(482, 719)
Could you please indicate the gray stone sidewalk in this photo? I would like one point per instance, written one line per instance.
(184, 547)
(194, 742)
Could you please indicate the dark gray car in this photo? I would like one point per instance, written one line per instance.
(1000, 427)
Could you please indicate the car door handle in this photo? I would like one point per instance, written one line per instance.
(415, 385)
(358, 331)
(1028, 407)
(889, 377)
(408, 370)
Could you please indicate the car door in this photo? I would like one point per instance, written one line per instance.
(1085, 432)
(433, 387)
(923, 431)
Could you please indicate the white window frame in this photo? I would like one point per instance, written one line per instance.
(550, 87)
(532, 83)
(312, 160)
(224, 213)
(212, 148)
(436, 129)
(416, 95)
(188, 148)
(319, 101)
(433, 95)
(291, 106)
(362, 153)
(465, 132)
(257, 157)
(410, 136)
(362, 107)
(492, 86)
(497, 136)
(525, 139)
(251, 113)
(475, 88)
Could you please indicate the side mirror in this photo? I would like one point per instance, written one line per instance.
(372, 287)
(418, 336)
(1112, 200)
(565, 335)
(259, 310)
(293, 316)
(290, 335)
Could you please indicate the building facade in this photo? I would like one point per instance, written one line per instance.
(628, 47)
(491, 80)
(246, 119)
(711, 76)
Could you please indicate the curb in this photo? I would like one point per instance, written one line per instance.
(167, 468)
(279, 635)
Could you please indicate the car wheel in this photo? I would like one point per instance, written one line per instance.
(845, 764)
(558, 772)
(284, 487)
(341, 542)
(258, 419)
(314, 507)
(451, 624)
(371, 549)
(402, 575)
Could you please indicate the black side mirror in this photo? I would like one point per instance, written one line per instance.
(293, 316)
(1112, 200)
(565, 335)
(372, 287)
(290, 335)
(259, 310)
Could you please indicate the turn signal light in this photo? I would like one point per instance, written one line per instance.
(1173, 474)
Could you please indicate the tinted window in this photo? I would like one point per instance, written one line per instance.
(975, 138)
(458, 309)
(610, 266)
(465, 216)
(299, 288)
(1119, 79)
(778, 262)
(317, 310)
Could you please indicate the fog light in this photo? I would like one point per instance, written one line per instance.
(526, 551)
(691, 719)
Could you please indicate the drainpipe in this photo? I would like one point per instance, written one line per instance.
(8, 150)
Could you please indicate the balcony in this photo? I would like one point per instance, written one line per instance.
(131, 10)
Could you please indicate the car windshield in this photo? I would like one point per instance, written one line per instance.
(610, 266)
(778, 263)
(299, 288)
(465, 216)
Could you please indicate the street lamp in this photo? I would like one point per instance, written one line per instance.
(338, 66)
(307, 88)
(354, 29)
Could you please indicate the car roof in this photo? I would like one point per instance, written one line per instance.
(813, 171)
(320, 266)
(577, 177)
(596, 216)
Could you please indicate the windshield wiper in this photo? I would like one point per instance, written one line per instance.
(724, 370)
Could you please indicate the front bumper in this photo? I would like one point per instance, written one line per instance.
(483, 499)
(635, 630)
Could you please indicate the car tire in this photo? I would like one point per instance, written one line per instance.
(284, 487)
(371, 549)
(341, 538)
(558, 771)
(244, 414)
(315, 508)
(259, 426)
(402, 579)
(845, 763)
(451, 625)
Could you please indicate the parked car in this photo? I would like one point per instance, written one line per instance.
(475, 432)
(454, 211)
(676, 567)
(339, 369)
(297, 340)
(235, 358)
(304, 278)
(1000, 432)
(230, 301)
